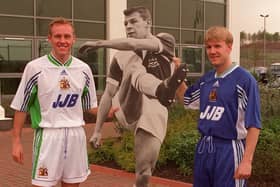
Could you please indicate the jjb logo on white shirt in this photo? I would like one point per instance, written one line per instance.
(69, 101)
(213, 113)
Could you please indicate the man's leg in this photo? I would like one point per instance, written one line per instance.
(76, 167)
(150, 85)
(146, 150)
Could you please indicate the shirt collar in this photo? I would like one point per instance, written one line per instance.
(56, 62)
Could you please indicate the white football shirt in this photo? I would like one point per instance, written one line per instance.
(56, 94)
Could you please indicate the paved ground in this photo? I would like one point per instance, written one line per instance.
(15, 175)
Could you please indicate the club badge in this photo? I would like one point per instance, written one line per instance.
(64, 84)
(213, 95)
(43, 172)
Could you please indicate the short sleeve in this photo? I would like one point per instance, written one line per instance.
(26, 89)
(89, 98)
(115, 73)
(251, 103)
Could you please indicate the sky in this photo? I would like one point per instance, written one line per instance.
(250, 19)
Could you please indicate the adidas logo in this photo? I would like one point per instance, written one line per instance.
(216, 84)
(63, 72)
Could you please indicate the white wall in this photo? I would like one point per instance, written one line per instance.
(234, 27)
(115, 23)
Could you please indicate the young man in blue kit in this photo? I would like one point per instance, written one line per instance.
(229, 122)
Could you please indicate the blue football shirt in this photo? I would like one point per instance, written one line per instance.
(228, 104)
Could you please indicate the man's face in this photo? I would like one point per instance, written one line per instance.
(136, 27)
(218, 53)
(61, 39)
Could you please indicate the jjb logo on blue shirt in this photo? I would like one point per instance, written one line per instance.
(213, 113)
(69, 101)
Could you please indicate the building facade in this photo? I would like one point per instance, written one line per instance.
(23, 32)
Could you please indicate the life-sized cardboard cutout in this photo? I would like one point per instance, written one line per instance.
(139, 82)
(127, 81)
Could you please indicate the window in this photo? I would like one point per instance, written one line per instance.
(13, 7)
(163, 17)
(192, 37)
(14, 54)
(44, 47)
(8, 87)
(90, 30)
(42, 27)
(193, 57)
(192, 14)
(215, 14)
(16, 26)
(54, 8)
(90, 10)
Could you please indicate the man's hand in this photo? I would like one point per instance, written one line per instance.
(87, 46)
(243, 171)
(112, 112)
(95, 140)
(17, 152)
(177, 61)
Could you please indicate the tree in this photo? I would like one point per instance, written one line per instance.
(254, 37)
(276, 37)
(260, 35)
(243, 37)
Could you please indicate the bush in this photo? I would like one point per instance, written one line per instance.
(103, 154)
(181, 138)
(180, 148)
(269, 101)
(267, 157)
(118, 150)
(123, 153)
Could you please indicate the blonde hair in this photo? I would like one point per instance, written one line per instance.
(218, 33)
(59, 20)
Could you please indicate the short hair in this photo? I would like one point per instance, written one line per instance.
(143, 11)
(218, 33)
(59, 20)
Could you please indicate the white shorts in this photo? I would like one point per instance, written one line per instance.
(59, 154)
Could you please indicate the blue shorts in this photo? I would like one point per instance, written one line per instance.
(216, 161)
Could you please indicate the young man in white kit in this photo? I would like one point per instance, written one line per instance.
(55, 89)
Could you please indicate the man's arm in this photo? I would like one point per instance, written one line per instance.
(93, 111)
(150, 44)
(180, 92)
(17, 150)
(102, 113)
(245, 167)
(183, 86)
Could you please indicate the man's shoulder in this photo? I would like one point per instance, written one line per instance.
(243, 74)
(37, 62)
